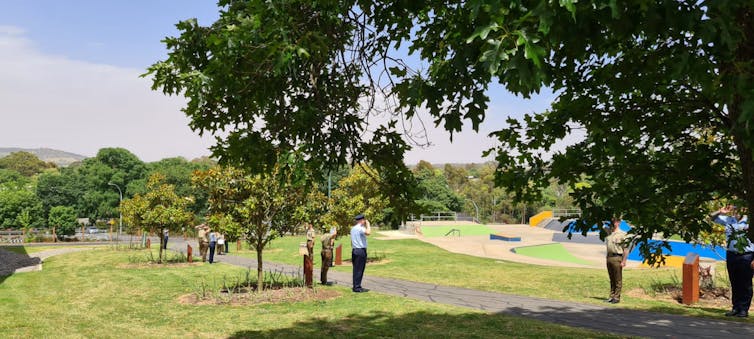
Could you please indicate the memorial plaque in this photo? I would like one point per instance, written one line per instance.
(691, 279)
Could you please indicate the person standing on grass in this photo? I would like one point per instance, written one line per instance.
(310, 240)
(165, 234)
(617, 253)
(328, 241)
(203, 240)
(359, 233)
(739, 259)
(212, 244)
(220, 243)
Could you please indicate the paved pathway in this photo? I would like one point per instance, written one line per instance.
(607, 318)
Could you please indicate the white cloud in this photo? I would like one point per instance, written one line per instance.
(76, 106)
(53, 101)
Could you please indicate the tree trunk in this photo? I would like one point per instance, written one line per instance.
(260, 272)
(747, 172)
(162, 243)
(744, 53)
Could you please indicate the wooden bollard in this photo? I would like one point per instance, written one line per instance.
(149, 243)
(238, 245)
(339, 255)
(190, 253)
(308, 271)
(691, 279)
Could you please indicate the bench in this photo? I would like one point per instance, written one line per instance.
(504, 237)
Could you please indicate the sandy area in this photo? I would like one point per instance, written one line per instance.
(482, 246)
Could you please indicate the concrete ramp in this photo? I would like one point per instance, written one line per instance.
(551, 224)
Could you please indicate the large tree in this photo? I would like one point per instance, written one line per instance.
(659, 94)
(278, 77)
(25, 163)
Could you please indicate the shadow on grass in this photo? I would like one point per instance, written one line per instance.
(417, 324)
(516, 322)
(13, 258)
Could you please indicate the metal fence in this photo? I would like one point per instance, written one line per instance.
(568, 213)
(439, 216)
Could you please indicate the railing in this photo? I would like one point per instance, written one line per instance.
(438, 216)
(454, 231)
(564, 212)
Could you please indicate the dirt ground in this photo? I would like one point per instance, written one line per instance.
(270, 296)
(714, 298)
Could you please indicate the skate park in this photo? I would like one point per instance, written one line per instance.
(541, 242)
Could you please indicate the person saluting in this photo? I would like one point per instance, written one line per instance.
(359, 233)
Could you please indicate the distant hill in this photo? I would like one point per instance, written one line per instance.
(60, 158)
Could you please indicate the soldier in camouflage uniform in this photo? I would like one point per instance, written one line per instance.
(328, 241)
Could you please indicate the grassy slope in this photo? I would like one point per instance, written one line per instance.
(418, 261)
(86, 294)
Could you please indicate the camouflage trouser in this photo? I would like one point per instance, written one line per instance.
(615, 271)
(203, 247)
(326, 261)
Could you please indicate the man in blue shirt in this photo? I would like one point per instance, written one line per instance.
(359, 233)
(739, 257)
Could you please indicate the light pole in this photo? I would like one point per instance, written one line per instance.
(477, 210)
(120, 202)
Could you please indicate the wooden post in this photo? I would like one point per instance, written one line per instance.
(190, 254)
(149, 243)
(238, 245)
(308, 270)
(691, 279)
(339, 255)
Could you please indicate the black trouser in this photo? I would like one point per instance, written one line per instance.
(212, 251)
(165, 243)
(359, 261)
(740, 274)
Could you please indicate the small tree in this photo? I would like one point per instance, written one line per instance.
(63, 220)
(164, 209)
(24, 219)
(359, 192)
(133, 211)
(252, 202)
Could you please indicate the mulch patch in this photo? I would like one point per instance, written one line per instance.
(718, 297)
(269, 296)
(156, 265)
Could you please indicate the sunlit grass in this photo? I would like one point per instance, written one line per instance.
(415, 260)
(94, 294)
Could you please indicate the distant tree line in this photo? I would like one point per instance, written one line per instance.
(34, 193)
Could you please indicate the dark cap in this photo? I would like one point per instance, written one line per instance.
(359, 217)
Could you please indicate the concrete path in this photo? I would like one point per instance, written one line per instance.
(18, 263)
(607, 318)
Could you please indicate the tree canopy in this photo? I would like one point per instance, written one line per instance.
(658, 95)
(25, 163)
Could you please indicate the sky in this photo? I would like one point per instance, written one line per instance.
(69, 80)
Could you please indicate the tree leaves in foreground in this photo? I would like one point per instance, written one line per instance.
(655, 97)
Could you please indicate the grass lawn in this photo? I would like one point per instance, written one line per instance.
(415, 260)
(20, 249)
(466, 230)
(554, 251)
(93, 294)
